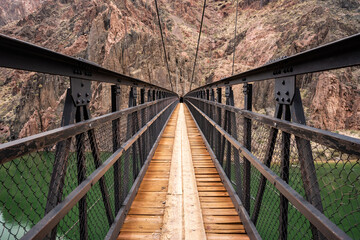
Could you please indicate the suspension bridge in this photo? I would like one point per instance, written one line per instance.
(197, 166)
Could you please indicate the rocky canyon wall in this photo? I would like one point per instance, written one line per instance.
(124, 36)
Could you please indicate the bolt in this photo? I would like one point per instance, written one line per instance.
(278, 93)
(287, 93)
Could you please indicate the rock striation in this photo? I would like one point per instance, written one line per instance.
(124, 36)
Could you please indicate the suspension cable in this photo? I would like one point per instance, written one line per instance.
(236, 16)
(198, 43)
(163, 43)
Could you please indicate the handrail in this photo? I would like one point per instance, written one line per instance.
(318, 219)
(49, 221)
(338, 54)
(20, 147)
(22, 55)
(337, 141)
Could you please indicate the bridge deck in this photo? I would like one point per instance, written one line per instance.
(182, 196)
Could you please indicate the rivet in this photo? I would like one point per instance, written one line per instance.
(79, 94)
(87, 94)
(282, 99)
(88, 100)
(287, 93)
(83, 101)
(288, 100)
(78, 101)
(283, 82)
(278, 93)
(277, 99)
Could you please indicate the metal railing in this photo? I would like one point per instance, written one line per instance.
(78, 181)
(287, 180)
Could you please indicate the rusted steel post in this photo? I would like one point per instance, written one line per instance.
(61, 158)
(247, 90)
(97, 162)
(267, 161)
(307, 167)
(219, 137)
(115, 106)
(81, 175)
(284, 174)
(211, 115)
(230, 128)
(143, 122)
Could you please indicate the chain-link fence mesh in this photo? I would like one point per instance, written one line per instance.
(33, 184)
(326, 177)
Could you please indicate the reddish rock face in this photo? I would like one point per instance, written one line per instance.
(124, 36)
(12, 10)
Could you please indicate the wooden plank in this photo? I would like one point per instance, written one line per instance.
(143, 204)
(215, 199)
(217, 205)
(213, 236)
(221, 219)
(193, 221)
(173, 220)
(137, 235)
(146, 211)
(215, 226)
(213, 194)
(209, 184)
(219, 212)
(211, 189)
(210, 179)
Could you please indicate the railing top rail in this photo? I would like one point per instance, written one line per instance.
(338, 54)
(22, 55)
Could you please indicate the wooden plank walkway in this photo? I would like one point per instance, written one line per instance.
(182, 196)
(220, 218)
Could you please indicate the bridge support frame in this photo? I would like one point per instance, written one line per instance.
(247, 90)
(116, 106)
(218, 136)
(76, 110)
(289, 107)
